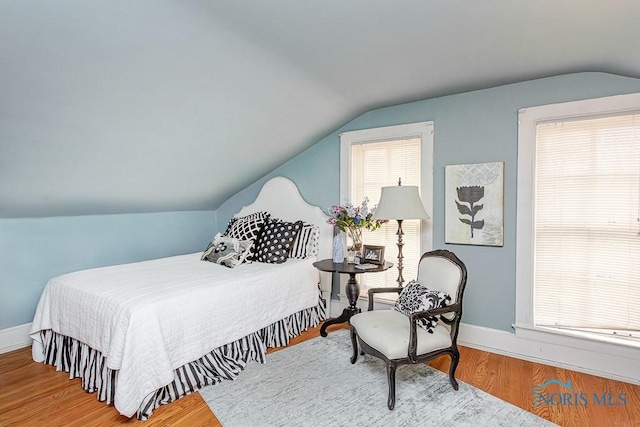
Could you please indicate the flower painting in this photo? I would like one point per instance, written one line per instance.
(474, 204)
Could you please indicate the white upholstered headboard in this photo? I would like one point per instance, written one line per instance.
(281, 198)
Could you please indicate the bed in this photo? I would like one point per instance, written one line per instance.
(144, 334)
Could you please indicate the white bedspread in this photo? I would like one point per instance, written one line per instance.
(151, 317)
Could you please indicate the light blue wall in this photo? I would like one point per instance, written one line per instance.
(469, 128)
(33, 250)
(472, 127)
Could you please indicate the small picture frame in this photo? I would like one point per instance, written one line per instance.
(373, 254)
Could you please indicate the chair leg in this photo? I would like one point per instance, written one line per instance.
(391, 379)
(354, 345)
(455, 358)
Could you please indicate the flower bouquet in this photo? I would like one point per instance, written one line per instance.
(353, 219)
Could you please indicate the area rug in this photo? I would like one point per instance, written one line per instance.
(314, 384)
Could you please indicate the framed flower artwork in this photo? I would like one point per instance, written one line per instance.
(474, 204)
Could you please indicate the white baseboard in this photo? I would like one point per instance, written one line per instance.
(613, 366)
(15, 338)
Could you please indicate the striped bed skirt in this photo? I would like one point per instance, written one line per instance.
(222, 363)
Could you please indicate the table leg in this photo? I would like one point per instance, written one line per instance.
(353, 292)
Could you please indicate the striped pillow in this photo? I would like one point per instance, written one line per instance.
(306, 243)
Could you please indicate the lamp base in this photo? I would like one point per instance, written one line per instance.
(400, 233)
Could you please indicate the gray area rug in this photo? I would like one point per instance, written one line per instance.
(314, 384)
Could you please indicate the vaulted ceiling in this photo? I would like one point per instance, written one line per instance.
(113, 106)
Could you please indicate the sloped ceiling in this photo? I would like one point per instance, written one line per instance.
(154, 105)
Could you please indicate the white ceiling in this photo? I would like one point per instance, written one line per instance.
(156, 105)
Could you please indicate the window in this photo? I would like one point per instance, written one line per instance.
(579, 231)
(375, 158)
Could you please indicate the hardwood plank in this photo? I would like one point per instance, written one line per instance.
(513, 380)
(33, 394)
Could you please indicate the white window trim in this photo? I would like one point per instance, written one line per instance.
(424, 130)
(527, 121)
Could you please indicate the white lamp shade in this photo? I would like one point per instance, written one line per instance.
(400, 202)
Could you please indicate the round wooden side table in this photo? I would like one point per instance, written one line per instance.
(352, 289)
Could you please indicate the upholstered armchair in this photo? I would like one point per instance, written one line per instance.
(400, 338)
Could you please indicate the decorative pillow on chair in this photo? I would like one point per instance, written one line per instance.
(247, 227)
(306, 243)
(227, 251)
(275, 241)
(416, 297)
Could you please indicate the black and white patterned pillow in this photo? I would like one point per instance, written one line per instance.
(227, 251)
(248, 227)
(306, 243)
(275, 241)
(416, 297)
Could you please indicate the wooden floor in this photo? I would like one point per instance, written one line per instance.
(32, 394)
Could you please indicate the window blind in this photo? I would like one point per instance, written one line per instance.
(379, 164)
(587, 225)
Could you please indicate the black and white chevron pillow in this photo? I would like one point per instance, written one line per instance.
(248, 227)
(275, 241)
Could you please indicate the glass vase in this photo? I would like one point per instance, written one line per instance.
(355, 234)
